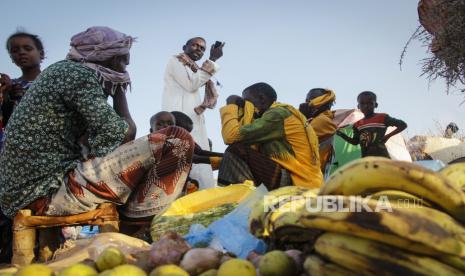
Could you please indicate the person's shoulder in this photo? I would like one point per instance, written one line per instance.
(173, 62)
(278, 111)
(66, 65)
(359, 123)
(174, 59)
(381, 115)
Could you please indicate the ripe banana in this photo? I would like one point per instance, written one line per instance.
(314, 265)
(368, 257)
(269, 203)
(372, 174)
(283, 224)
(454, 261)
(422, 230)
(401, 199)
(455, 173)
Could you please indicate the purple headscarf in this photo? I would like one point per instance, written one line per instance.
(99, 44)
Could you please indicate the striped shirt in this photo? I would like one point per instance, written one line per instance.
(369, 132)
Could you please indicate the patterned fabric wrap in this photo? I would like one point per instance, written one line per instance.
(144, 176)
(41, 138)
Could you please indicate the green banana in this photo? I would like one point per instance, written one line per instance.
(455, 173)
(422, 230)
(373, 174)
(368, 257)
(314, 265)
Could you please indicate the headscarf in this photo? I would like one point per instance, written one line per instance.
(327, 97)
(211, 96)
(100, 44)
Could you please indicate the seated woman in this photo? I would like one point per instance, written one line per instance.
(68, 99)
(317, 109)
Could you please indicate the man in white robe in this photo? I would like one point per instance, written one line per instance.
(183, 79)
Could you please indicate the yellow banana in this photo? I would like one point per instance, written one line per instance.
(283, 224)
(368, 257)
(454, 261)
(269, 203)
(422, 230)
(401, 199)
(455, 173)
(372, 174)
(315, 265)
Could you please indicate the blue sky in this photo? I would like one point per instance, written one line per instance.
(348, 46)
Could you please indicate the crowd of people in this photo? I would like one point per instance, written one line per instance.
(65, 149)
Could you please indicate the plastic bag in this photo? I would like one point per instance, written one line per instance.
(231, 231)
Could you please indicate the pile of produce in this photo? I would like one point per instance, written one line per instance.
(373, 216)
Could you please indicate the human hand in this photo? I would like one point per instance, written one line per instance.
(16, 92)
(235, 99)
(5, 83)
(305, 109)
(216, 52)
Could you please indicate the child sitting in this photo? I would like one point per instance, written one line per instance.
(370, 132)
(165, 119)
(161, 120)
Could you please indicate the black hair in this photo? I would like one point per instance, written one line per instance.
(453, 126)
(35, 38)
(321, 90)
(182, 120)
(154, 117)
(264, 89)
(367, 94)
(194, 38)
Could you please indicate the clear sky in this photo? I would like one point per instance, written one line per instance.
(348, 46)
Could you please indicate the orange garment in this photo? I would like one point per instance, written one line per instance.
(325, 128)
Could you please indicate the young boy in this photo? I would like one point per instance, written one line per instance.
(161, 120)
(370, 132)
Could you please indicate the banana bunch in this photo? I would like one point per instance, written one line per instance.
(455, 173)
(315, 265)
(385, 217)
(420, 230)
(374, 174)
(276, 202)
(369, 257)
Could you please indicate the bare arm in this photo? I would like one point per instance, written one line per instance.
(347, 138)
(199, 159)
(120, 105)
(399, 124)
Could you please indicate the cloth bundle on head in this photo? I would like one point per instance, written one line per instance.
(327, 97)
(99, 44)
